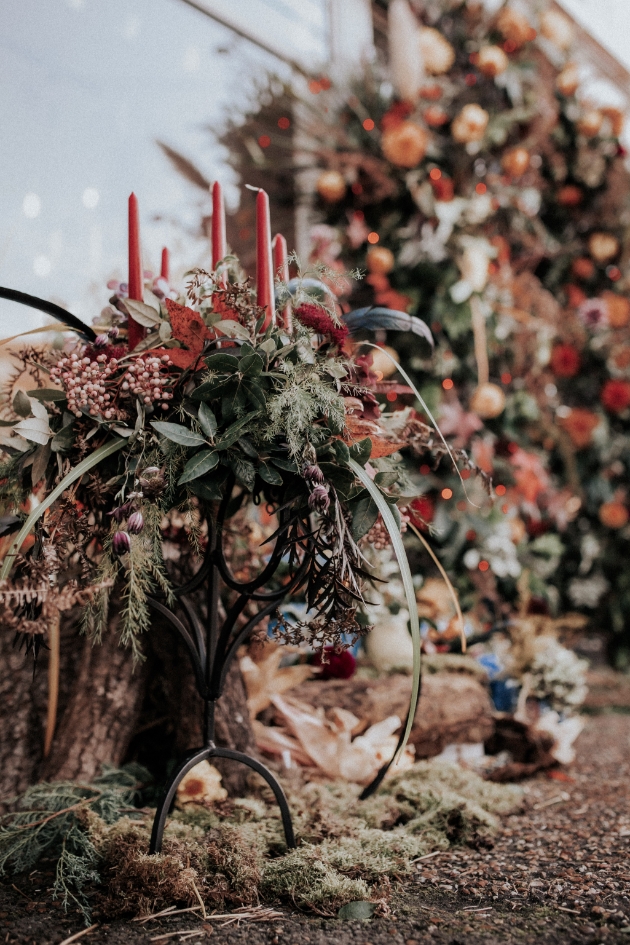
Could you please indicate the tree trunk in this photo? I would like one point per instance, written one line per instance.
(102, 711)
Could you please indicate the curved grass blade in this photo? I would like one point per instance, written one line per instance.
(425, 407)
(108, 449)
(405, 573)
(51, 309)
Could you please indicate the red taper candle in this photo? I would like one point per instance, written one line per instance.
(135, 331)
(164, 271)
(264, 262)
(281, 269)
(218, 227)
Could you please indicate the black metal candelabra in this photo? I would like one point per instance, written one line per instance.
(212, 644)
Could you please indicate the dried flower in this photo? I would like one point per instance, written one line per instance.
(470, 125)
(315, 317)
(101, 340)
(312, 473)
(593, 313)
(615, 396)
(319, 500)
(405, 145)
(135, 523)
(565, 361)
(152, 481)
(580, 424)
(613, 514)
(121, 543)
(492, 61)
(437, 53)
(121, 512)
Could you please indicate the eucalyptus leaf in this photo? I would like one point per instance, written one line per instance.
(48, 394)
(40, 463)
(165, 331)
(232, 329)
(178, 433)
(34, 429)
(207, 420)
(199, 464)
(141, 313)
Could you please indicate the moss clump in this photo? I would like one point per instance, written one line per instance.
(234, 854)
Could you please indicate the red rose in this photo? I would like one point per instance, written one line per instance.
(565, 361)
(615, 396)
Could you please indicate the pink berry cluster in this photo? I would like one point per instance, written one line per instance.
(84, 381)
(146, 378)
(90, 383)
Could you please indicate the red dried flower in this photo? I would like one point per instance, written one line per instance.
(314, 316)
(396, 115)
(565, 361)
(615, 396)
(335, 665)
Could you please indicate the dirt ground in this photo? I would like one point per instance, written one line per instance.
(558, 873)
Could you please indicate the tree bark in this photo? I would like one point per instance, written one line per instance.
(102, 711)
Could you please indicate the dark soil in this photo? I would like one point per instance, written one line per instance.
(557, 873)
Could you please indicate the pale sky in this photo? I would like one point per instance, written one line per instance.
(87, 87)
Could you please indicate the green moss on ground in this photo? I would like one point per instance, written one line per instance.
(233, 854)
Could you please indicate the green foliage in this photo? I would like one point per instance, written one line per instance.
(236, 855)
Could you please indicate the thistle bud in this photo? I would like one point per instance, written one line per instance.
(121, 512)
(113, 333)
(135, 523)
(319, 500)
(100, 341)
(121, 543)
(312, 473)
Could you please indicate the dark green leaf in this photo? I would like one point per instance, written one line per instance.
(341, 451)
(199, 464)
(211, 389)
(385, 479)
(178, 433)
(47, 394)
(21, 404)
(234, 431)
(222, 363)
(233, 402)
(284, 464)
(360, 451)
(244, 471)
(255, 394)
(340, 476)
(267, 474)
(63, 440)
(207, 420)
(251, 365)
(248, 447)
(364, 514)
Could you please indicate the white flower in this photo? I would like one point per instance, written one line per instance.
(587, 592)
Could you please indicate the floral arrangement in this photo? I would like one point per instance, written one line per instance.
(480, 188)
(195, 404)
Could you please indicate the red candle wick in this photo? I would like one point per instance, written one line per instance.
(281, 267)
(135, 332)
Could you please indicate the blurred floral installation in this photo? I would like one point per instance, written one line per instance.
(474, 184)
